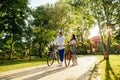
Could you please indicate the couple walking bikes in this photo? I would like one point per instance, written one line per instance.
(73, 43)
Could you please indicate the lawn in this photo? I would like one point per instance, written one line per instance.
(6, 65)
(110, 69)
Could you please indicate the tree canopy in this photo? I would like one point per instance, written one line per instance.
(26, 32)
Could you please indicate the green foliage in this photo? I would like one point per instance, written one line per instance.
(99, 48)
(114, 47)
(12, 21)
(117, 36)
(26, 32)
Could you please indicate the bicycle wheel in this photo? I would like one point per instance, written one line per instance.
(67, 59)
(50, 58)
(57, 58)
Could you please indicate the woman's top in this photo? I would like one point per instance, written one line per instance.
(73, 48)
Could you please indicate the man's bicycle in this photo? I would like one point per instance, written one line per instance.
(52, 55)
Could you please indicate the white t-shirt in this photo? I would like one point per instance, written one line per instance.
(73, 42)
(60, 42)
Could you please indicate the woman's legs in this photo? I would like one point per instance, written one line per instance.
(74, 59)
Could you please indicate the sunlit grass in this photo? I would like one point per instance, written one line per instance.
(110, 69)
(6, 65)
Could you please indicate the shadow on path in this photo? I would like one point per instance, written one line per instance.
(32, 71)
(23, 73)
(84, 76)
(88, 75)
(46, 73)
(94, 69)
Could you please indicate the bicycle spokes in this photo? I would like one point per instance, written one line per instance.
(67, 59)
(50, 59)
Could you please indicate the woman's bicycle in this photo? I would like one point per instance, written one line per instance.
(68, 56)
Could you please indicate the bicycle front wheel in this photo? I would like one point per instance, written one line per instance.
(67, 59)
(50, 58)
(57, 57)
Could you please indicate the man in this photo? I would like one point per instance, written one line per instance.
(60, 44)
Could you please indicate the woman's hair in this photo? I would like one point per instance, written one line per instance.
(73, 37)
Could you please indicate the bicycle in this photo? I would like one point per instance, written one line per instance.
(68, 56)
(52, 55)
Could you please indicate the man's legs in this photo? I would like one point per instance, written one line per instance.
(61, 54)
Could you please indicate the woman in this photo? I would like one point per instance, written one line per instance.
(73, 49)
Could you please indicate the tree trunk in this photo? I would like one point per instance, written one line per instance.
(83, 45)
(40, 51)
(103, 45)
(85, 49)
(10, 52)
(29, 53)
(106, 10)
(108, 44)
(29, 42)
(91, 50)
(11, 46)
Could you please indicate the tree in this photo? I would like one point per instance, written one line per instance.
(44, 27)
(12, 20)
(83, 19)
(106, 13)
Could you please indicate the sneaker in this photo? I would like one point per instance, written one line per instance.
(60, 64)
(73, 64)
(76, 63)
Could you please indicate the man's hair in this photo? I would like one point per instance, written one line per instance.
(60, 33)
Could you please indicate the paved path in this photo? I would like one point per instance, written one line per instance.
(55, 72)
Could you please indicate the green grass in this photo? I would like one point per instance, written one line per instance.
(6, 65)
(110, 69)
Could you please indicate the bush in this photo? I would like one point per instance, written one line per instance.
(113, 47)
(80, 51)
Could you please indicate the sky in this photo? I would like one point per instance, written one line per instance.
(34, 3)
(94, 31)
